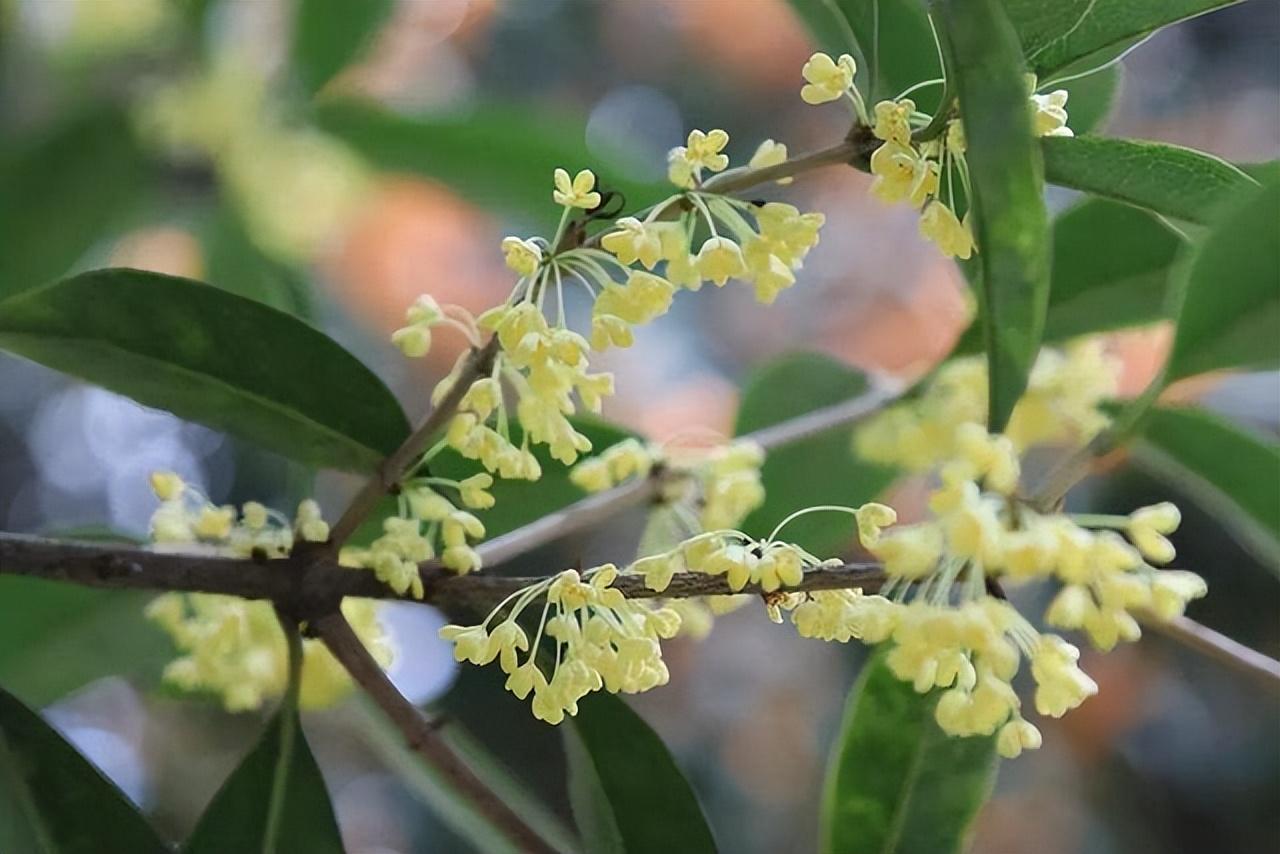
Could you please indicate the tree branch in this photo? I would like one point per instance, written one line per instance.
(1222, 649)
(419, 733)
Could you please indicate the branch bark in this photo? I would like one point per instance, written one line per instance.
(419, 733)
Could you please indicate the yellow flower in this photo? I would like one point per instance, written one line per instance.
(166, 485)
(576, 192)
(901, 174)
(703, 150)
(827, 79)
(720, 259)
(939, 224)
(634, 241)
(893, 121)
(522, 256)
(413, 341)
(770, 153)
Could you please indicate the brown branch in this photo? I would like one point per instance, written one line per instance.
(419, 733)
(1222, 649)
(478, 363)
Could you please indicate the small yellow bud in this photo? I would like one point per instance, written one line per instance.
(522, 256)
(166, 485)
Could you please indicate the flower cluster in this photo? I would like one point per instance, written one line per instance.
(602, 641)
(234, 647)
(947, 631)
(1061, 405)
(909, 168)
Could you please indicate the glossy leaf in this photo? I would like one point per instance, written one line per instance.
(237, 818)
(1231, 306)
(1090, 98)
(1008, 204)
(627, 793)
(500, 156)
(893, 37)
(1112, 268)
(820, 470)
(329, 34)
(1057, 34)
(1170, 180)
(63, 192)
(1230, 471)
(212, 357)
(54, 801)
(896, 783)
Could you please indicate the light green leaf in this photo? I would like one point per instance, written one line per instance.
(500, 156)
(63, 193)
(1112, 268)
(329, 34)
(627, 793)
(894, 44)
(1008, 203)
(53, 801)
(896, 783)
(279, 766)
(1230, 472)
(1057, 34)
(212, 357)
(1231, 305)
(820, 470)
(1168, 179)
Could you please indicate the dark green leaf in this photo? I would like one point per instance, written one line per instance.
(1091, 97)
(1111, 269)
(1167, 179)
(1057, 34)
(820, 470)
(896, 783)
(63, 193)
(237, 818)
(212, 357)
(1229, 471)
(53, 801)
(893, 37)
(1008, 204)
(1231, 306)
(1267, 171)
(329, 34)
(627, 793)
(500, 156)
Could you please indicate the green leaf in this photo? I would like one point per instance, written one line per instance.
(1008, 203)
(1229, 471)
(627, 793)
(1057, 34)
(893, 37)
(1091, 97)
(53, 801)
(500, 156)
(896, 783)
(234, 263)
(329, 34)
(1168, 179)
(1231, 304)
(1112, 266)
(819, 470)
(63, 193)
(212, 357)
(280, 765)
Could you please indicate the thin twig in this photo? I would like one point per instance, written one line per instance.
(477, 364)
(1222, 649)
(419, 733)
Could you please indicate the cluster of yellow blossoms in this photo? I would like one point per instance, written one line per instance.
(908, 168)
(233, 647)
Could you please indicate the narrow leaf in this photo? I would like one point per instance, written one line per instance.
(1231, 306)
(896, 783)
(1112, 268)
(522, 148)
(1058, 34)
(1229, 471)
(819, 470)
(1008, 204)
(63, 192)
(53, 801)
(212, 357)
(627, 793)
(279, 766)
(1167, 179)
(329, 34)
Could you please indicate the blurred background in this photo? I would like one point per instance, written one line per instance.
(183, 136)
